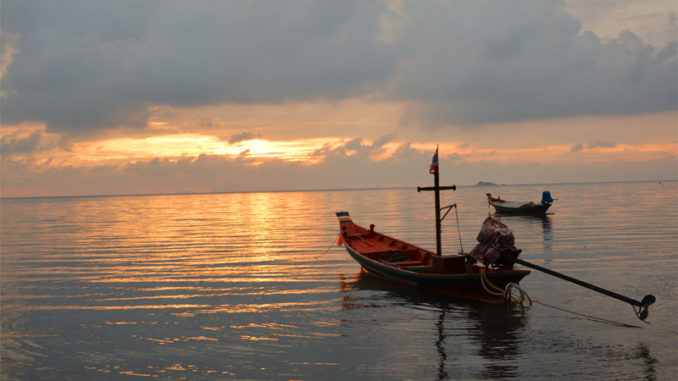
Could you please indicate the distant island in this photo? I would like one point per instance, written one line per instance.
(485, 184)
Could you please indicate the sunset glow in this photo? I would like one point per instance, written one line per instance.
(310, 151)
(191, 145)
(564, 95)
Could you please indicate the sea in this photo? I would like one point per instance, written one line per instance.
(252, 286)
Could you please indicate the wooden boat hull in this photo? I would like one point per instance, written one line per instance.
(518, 208)
(421, 268)
(538, 209)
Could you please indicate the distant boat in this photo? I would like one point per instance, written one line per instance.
(405, 263)
(521, 207)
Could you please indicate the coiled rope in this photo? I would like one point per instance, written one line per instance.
(507, 292)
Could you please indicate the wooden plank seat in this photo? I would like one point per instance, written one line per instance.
(408, 263)
(420, 269)
(394, 255)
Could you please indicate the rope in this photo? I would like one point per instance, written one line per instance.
(458, 228)
(507, 292)
(490, 287)
(334, 242)
(521, 292)
(590, 317)
(638, 311)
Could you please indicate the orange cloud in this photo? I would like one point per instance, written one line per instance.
(556, 154)
(191, 145)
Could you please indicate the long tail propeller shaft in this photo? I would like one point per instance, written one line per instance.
(642, 306)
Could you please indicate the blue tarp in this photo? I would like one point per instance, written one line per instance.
(546, 197)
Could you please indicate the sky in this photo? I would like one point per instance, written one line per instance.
(135, 97)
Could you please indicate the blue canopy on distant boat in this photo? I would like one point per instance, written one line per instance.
(546, 197)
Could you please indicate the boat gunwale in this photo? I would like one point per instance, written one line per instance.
(359, 257)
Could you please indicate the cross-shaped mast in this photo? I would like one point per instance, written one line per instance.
(436, 188)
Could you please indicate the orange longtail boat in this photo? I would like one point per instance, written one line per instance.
(458, 275)
(403, 262)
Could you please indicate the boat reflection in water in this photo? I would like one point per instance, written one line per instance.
(459, 330)
(530, 223)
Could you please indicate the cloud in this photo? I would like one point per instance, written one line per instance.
(29, 144)
(602, 144)
(216, 173)
(654, 21)
(10, 144)
(242, 136)
(356, 151)
(81, 65)
(89, 64)
(8, 49)
(483, 62)
(347, 165)
(596, 144)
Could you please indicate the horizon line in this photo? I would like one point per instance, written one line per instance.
(480, 184)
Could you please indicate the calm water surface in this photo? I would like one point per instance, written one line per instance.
(249, 286)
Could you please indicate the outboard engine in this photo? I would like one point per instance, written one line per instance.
(496, 246)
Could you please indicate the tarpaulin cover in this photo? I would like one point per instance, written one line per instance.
(496, 245)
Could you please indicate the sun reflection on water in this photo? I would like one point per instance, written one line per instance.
(223, 285)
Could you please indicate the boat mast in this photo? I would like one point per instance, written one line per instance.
(436, 188)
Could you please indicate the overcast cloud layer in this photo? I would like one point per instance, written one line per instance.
(80, 65)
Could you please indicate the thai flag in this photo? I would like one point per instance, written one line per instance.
(433, 169)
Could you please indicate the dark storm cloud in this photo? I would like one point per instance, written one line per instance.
(91, 64)
(480, 62)
(11, 144)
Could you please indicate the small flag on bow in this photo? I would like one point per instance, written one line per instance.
(434, 164)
